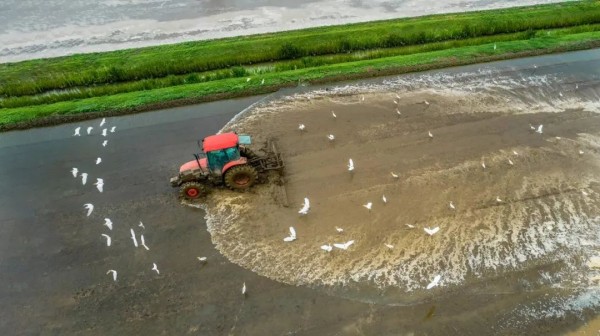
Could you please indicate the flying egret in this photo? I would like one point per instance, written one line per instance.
(333, 114)
(142, 225)
(247, 79)
(394, 175)
(202, 259)
(344, 246)
(108, 223)
(331, 137)
(560, 94)
(89, 207)
(495, 46)
(350, 165)
(510, 162)
(395, 102)
(435, 282)
(104, 143)
(114, 274)
(84, 178)
(99, 184)
(103, 122)
(531, 127)
(244, 289)
(389, 246)
(77, 131)
(431, 231)
(398, 112)
(384, 199)
(104, 132)
(430, 135)
(539, 129)
(339, 229)
(262, 82)
(108, 240)
(135, 242)
(327, 248)
(112, 129)
(301, 127)
(155, 268)
(292, 235)
(516, 153)
(305, 207)
(483, 164)
(89, 130)
(397, 96)
(580, 152)
(368, 205)
(74, 171)
(410, 226)
(426, 102)
(98, 161)
(362, 98)
(451, 205)
(498, 199)
(144, 243)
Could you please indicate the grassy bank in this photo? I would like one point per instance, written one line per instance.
(51, 90)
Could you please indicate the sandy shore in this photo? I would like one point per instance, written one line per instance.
(531, 211)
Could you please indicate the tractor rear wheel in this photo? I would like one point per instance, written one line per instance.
(192, 190)
(240, 177)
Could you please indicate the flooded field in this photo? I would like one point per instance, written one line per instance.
(516, 203)
(36, 29)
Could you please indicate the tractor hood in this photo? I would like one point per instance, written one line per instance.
(194, 165)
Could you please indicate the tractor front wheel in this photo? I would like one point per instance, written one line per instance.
(192, 190)
(240, 177)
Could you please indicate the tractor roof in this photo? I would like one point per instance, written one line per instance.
(219, 141)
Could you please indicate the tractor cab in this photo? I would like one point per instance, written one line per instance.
(223, 151)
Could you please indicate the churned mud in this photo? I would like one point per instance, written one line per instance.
(526, 208)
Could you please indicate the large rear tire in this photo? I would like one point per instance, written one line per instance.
(192, 190)
(240, 177)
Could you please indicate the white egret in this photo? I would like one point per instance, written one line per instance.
(331, 137)
(142, 225)
(135, 242)
(435, 282)
(103, 122)
(244, 289)
(262, 82)
(431, 231)
(292, 235)
(516, 153)
(112, 129)
(580, 152)
(89, 130)
(389, 246)
(394, 175)
(104, 143)
(430, 134)
(498, 199)
(539, 129)
(410, 226)
(350, 165)
(426, 102)
(104, 132)
(305, 207)
(510, 162)
(74, 171)
(89, 207)
(301, 127)
(384, 199)
(108, 240)
(144, 243)
(99, 184)
(344, 246)
(369, 205)
(398, 112)
(84, 178)
(108, 223)
(339, 229)
(327, 248)
(483, 164)
(114, 274)
(98, 161)
(202, 259)
(451, 205)
(155, 268)
(333, 114)
(77, 130)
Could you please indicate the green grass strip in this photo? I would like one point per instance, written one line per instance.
(177, 95)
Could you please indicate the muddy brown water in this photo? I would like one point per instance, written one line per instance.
(53, 261)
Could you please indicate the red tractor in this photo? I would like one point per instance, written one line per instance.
(226, 160)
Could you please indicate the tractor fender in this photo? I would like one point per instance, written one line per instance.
(240, 161)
